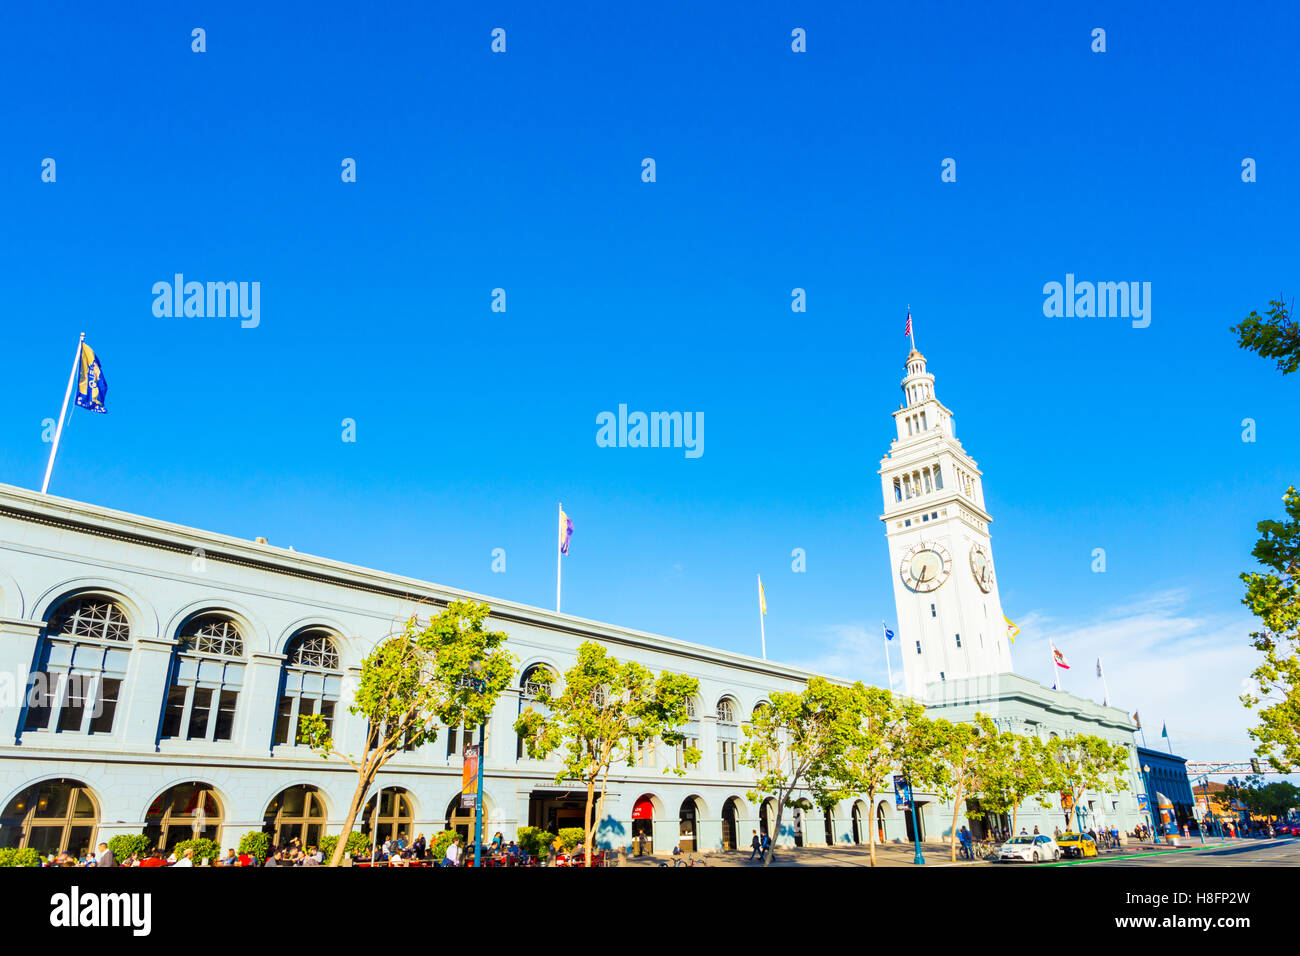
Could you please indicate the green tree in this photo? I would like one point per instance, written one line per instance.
(793, 741)
(861, 761)
(1020, 769)
(608, 712)
(966, 754)
(256, 844)
(1087, 762)
(446, 671)
(1274, 598)
(1274, 337)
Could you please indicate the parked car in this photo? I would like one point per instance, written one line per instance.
(1030, 849)
(1077, 845)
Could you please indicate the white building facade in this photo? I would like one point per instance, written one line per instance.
(153, 673)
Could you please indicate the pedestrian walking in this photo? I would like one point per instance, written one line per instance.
(757, 847)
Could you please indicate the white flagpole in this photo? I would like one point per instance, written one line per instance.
(1056, 671)
(888, 666)
(762, 631)
(63, 412)
(911, 326)
(559, 557)
(1105, 691)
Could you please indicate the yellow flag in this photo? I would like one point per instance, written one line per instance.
(762, 597)
(1012, 629)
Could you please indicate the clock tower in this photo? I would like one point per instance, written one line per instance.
(950, 622)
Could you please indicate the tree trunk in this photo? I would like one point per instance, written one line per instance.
(366, 777)
(1015, 812)
(600, 812)
(871, 827)
(586, 819)
(952, 837)
(776, 827)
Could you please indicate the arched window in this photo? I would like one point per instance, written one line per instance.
(81, 664)
(898, 491)
(207, 673)
(184, 812)
(938, 478)
(296, 812)
(56, 816)
(309, 683)
(926, 476)
(728, 734)
(530, 685)
(396, 817)
(692, 731)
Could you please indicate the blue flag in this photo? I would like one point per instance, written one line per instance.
(889, 635)
(92, 386)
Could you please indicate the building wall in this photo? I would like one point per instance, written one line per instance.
(164, 574)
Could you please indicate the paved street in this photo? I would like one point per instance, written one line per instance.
(1280, 852)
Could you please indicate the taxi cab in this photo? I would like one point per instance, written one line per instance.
(1076, 845)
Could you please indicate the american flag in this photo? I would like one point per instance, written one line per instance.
(908, 330)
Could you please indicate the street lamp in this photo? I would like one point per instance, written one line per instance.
(918, 859)
(1151, 803)
(479, 685)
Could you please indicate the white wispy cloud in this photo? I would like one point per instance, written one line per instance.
(1160, 658)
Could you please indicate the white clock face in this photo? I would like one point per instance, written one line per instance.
(925, 567)
(981, 567)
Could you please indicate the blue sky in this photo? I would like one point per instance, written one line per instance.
(775, 170)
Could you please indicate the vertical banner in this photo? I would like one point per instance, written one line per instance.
(902, 793)
(469, 777)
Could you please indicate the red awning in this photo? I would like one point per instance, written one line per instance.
(644, 810)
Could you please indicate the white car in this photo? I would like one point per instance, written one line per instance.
(1029, 849)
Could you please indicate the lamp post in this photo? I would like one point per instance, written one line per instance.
(479, 685)
(1151, 803)
(918, 859)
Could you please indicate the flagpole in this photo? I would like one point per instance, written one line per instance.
(558, 555)
(888, 666)
(1056, 669)
(911, 329)
(58, 432)
(762, 631)
(1105, 690)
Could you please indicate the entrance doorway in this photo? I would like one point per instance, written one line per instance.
(687, 825)
(920, 821)
(857, 823)
(643, 826)
(880, 822)
(729, 824)
(798, 827)
(830, 828)
(554, 810)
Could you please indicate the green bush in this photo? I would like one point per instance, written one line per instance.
(358, 845)
(7, 856)
(26, 857)
(204, 849)
(440, 844)
(534, 841)
(124, 844)
(571, 837)
(255, 843)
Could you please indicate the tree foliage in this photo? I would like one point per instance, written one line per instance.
(791, 741)
(1087, 762)
(1020, 769)
(442, 672)
(861, 761)
(607, 711)
(1276, 336)
(1274, 597)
